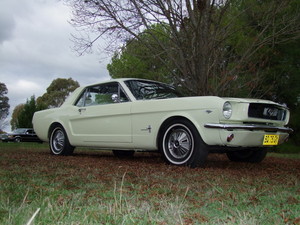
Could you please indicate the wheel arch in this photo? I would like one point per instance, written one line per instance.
(61, 124)
(65, 148)
(52, 126)
(168, 121)
(17, 137)
(195, 155)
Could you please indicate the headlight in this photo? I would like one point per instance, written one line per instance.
(227, 110)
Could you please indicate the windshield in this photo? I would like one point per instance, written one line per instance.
(19, 131)
(143, 90)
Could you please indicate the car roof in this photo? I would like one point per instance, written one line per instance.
(121, 80)
(75, 94)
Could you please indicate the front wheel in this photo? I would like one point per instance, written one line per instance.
(59, 142)
(181, 144)
(248, 155)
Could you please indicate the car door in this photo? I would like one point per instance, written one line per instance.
(29, 135)
(25, 135)
(103, 115)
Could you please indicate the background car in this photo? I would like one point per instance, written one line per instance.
(21, 135)
(127, 115)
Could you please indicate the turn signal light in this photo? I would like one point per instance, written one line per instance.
(230, 137)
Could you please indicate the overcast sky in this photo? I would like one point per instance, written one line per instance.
(35, 49)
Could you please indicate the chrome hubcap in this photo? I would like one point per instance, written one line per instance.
(179, 143)
(58, 141)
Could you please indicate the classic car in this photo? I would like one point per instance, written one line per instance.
(128, 115)
(21, 135)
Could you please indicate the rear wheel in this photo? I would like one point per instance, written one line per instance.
(59, 142)
(248, 155)
(181, 144)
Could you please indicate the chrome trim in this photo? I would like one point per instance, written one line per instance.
(248, 127)
(147, 129)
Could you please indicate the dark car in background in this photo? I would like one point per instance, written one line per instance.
(21, 135)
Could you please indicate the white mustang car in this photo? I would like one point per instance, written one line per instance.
(128, 115)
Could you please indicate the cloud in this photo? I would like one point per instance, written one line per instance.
(7, 21)
(41, 44)
(24, 85)
(24, 89)
(6, 25)
(35, 49)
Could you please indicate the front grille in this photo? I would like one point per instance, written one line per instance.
(266, 111)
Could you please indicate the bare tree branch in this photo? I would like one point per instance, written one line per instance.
(201, 51)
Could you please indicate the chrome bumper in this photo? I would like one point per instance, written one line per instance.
(249, 127)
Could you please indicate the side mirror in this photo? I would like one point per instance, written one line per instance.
(115, 98)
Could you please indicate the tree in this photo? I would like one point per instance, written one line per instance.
(135, 60)
(57, 93)
(4, 106)
(283, 74)
(25, 116)
(265, 26)
(14, 122)
(213, 45)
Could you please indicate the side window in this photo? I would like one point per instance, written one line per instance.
(102, 94)
(80, 101)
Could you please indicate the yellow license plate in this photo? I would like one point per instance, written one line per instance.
(271, 139)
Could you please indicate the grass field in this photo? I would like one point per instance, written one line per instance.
(94, 187)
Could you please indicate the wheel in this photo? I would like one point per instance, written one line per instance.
(123, 154)
(59, 142)
(17, 139)
(181, 144)
(252, 156)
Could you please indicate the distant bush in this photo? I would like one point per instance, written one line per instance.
(290, 147)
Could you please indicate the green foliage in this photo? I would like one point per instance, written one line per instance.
(142, 57)
(260, 51)
(103, 99)
(295, 124)
(23, 113)
(24, 117)
(57, 92)
(288, 149)
(257, 54)
(282, 78)
(234, 50)
(283, 73)
(15, 116)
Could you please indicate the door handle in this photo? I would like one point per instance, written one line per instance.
(81, 109)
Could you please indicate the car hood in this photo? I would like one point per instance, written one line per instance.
(13, 133)
(253, 100)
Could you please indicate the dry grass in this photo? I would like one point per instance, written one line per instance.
(94, 187)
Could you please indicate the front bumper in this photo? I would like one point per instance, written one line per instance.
(246, 135)
(249, 127)
(6, 140)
